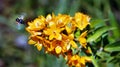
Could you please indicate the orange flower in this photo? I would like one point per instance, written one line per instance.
(78, 61)
(69, 40)
(56, 47)
(61, 45)
(36, 25)
(56, 35)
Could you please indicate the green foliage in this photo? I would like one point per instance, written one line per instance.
(99, 32)
(113, 47)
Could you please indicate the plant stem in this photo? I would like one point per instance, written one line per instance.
(94, 61)
(93, 58)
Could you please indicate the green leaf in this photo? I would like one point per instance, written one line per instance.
(99, 33)
(77, 34)
(103, 55)
(113, 47)
(114, 23)
(110, 59)
(98, 23)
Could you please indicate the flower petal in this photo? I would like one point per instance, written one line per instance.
(74, 45)
(39, 46)
(58, 49)
(31, 41)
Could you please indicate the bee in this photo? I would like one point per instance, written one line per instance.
(23, 20)
(20, 20)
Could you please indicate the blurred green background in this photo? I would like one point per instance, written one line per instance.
(14, 50)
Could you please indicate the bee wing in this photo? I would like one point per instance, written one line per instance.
(22, 16)
(18, 26)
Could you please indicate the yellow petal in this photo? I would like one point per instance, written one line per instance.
(74, 45)
(71, 36)
(84, 34)
(58, 49)
(51, 37)
(82, 60)
(39, 46)
(82, 40)
(58, 37)
(87, 58)
(31, 41)
(51, 24)
(82, 20)
(48, 18)
(68, 29)
(68, 47)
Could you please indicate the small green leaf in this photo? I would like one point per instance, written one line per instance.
(103, 55)
(113, 47)
(77, 33)
(98, 33)
(97, 23)
(110, 59)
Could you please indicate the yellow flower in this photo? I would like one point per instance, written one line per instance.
(81, 20)
(70, 28)
(60, 46)
(69, 39)
(78, 61)
(56, 35)
(62, 20)
(82, 39)
(55, 47)
(36, 25)
(53, 32)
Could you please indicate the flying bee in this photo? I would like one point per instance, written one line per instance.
(21, 20)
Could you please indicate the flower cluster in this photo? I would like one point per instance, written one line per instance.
(56, 34)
